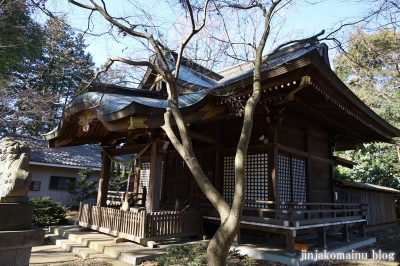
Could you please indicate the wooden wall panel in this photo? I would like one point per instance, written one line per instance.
(321, 182)
(381, 210)
(292, 138)
(179, 182)
(319, 145)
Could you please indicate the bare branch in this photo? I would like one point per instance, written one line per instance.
(191, 34)
(82, 5)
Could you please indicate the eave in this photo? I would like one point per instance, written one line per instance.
(326, 101)
(366, 186)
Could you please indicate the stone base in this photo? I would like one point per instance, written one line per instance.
(14, 199)
(16, 246)
(16, 216)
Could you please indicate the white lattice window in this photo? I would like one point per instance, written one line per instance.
(256, 178)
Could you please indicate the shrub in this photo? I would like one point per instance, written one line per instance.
(48, 212)
(191, 255)
(195, 255)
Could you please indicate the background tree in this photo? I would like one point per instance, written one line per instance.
(84, 189)
(39, 90)
(21, 38)
(370, 68)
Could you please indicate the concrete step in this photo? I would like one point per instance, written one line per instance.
(92, 244)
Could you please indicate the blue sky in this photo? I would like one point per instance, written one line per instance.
(305, 21)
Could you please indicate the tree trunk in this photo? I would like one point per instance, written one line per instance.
(219, 246)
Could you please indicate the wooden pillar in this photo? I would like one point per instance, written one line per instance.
(153, 196)
(290, 240)
(362, 229)
(345, 233)
(104, 180)
(272, 164)
(219, 173)
(322, 237)
(308, 169)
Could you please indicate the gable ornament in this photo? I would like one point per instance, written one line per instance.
(137, 122)
(211, 110)
(85, 119)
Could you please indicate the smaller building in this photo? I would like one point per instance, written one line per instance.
(51, 168)
(381, 200)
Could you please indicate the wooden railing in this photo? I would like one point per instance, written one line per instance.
(116, 198)
(141, 226)
(296, 214)
(289, 217)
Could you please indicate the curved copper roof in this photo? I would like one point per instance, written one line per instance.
(328, 100)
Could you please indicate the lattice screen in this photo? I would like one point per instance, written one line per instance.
(229, 177)
(299, 180)
(145, 177)
(291, 180)
(181, 166)
(284, 182)
(256, 178)
(171, 168)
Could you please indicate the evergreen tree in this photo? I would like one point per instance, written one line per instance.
(82, 190)
(370, 68)
(47, 84)
(20, 37)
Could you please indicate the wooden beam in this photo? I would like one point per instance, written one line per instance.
(153, 198)
(104, 180)
(305, 81)
(202, 137)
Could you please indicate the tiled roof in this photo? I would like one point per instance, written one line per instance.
(80, 156)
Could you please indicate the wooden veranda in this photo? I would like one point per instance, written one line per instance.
(293, 218)
(141, 226)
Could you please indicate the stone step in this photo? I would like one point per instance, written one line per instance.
(93, 244)
(83, 251)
